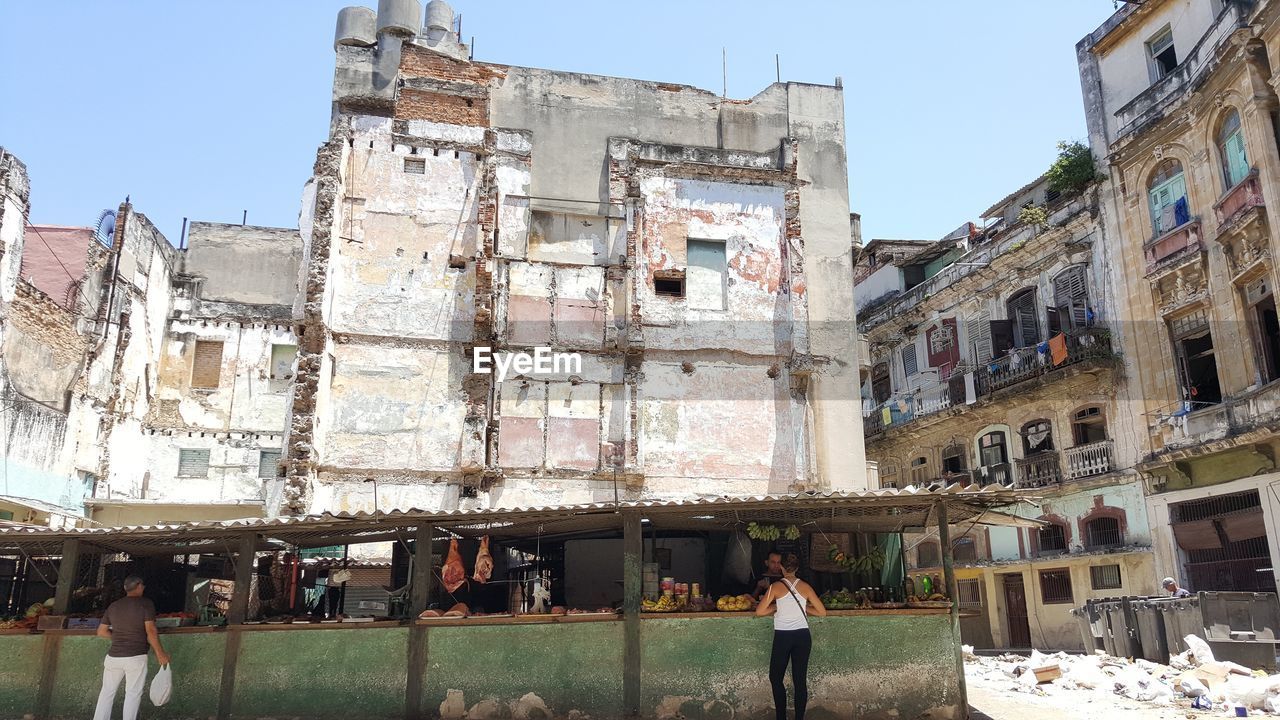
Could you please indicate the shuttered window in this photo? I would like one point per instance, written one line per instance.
(980, 338)
(1167, 188)
(909, 367)
(193, 463)
(1022, 312)
(1070, 301)
(206, 366)
(267, 463)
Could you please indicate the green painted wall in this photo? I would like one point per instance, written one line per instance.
(19, 673)
(339, 673)
(574, 666)
(197, 673)
(871, 667)
(865, 667)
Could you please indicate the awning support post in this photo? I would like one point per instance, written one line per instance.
(949, 579)
(420, 582)
(632, 587)
(66, 576)
(237, 613)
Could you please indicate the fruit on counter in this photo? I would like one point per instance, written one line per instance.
(735, 603)
(666, 603)
(37, 610)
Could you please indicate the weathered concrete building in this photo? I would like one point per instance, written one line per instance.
(1180, 97)
(691, 251)
(141, 383)
(992, 361)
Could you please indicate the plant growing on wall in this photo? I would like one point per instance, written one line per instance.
(1073, 170)
(1034, 215)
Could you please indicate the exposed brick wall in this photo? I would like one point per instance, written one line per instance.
(442, 108)
(420, 62)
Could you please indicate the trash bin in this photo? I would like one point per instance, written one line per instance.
(1181, 618)
(1241, 627)
(1090, 623)
(1151, 631)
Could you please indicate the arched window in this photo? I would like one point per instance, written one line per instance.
(1235, 162)
(965, 550)
(953, 460)
(1023, 318)
(1089, 425)
(1070, 308)
(920, 471)
(1037, 437)
(1103, 532)
(1168, 197)
(1053, 539)
(928, 555)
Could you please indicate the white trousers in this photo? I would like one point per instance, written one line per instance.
(133, 671)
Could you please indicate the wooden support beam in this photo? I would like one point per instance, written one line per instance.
(66, 576)
(420, 581)
(949, 580)
(236, 614)
(632, 587)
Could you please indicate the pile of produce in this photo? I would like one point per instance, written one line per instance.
(28, 620)
(735, 603)
(666, 603)
(755, 531)
(843, 600)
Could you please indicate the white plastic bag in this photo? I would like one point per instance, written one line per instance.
(162, 686)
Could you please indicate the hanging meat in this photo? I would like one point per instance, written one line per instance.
(453, 575)
(484, 562)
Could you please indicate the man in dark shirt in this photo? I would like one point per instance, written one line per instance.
(130, 624)
(1172, 588)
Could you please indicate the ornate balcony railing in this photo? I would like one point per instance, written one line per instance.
(1245, 195)
(1027, 363)
(1182, 240)
(1087, 460)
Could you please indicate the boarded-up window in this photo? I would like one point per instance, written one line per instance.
(1055, 587)
(267, 462)
(282, 358)
(206, 366)
(415, 166)
(1105, 577)
(706, 277)
(193, 463)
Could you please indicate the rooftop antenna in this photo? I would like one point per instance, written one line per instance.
(724, 71)
(244, 218)
(777, 66)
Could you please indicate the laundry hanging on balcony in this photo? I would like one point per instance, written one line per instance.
(1181, 212)
(1058, 347)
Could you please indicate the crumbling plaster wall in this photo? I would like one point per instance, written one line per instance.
(246, 264)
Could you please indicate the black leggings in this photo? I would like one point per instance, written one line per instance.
(790, 646)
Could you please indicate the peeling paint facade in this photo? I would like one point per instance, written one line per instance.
(691, 252)
(1181, 107)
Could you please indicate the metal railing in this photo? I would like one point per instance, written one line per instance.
(1039, 470)
(1245, 195)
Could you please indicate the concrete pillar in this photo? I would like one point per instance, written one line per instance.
(949, 580)
(632, 587)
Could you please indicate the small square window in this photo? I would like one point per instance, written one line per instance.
(669, 284)
(415, 166)
(268, 461)
(282, 360)
(1055, 587)
(1105, 577)
(193, 463)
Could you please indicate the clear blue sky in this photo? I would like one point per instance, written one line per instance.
(206, 109)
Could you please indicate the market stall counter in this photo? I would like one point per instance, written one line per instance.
(872, 663)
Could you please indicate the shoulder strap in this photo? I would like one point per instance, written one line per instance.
(803, 605)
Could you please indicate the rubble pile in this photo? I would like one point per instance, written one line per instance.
(1193, 679)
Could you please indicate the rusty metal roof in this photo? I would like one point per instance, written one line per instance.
(868, 511)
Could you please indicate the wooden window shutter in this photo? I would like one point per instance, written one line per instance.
(980, 337)
(193, 463)
(909, 365)
(206, 366)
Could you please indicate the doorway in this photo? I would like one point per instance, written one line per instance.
(1015, 607)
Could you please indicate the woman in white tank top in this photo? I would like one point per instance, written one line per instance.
(790, 601)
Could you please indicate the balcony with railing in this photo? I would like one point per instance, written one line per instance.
(1170, 247)
(1001, 474)
(1022, 364)
(1082, 346)
(1089, 460)
(1245, 196)
(1039, 470)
